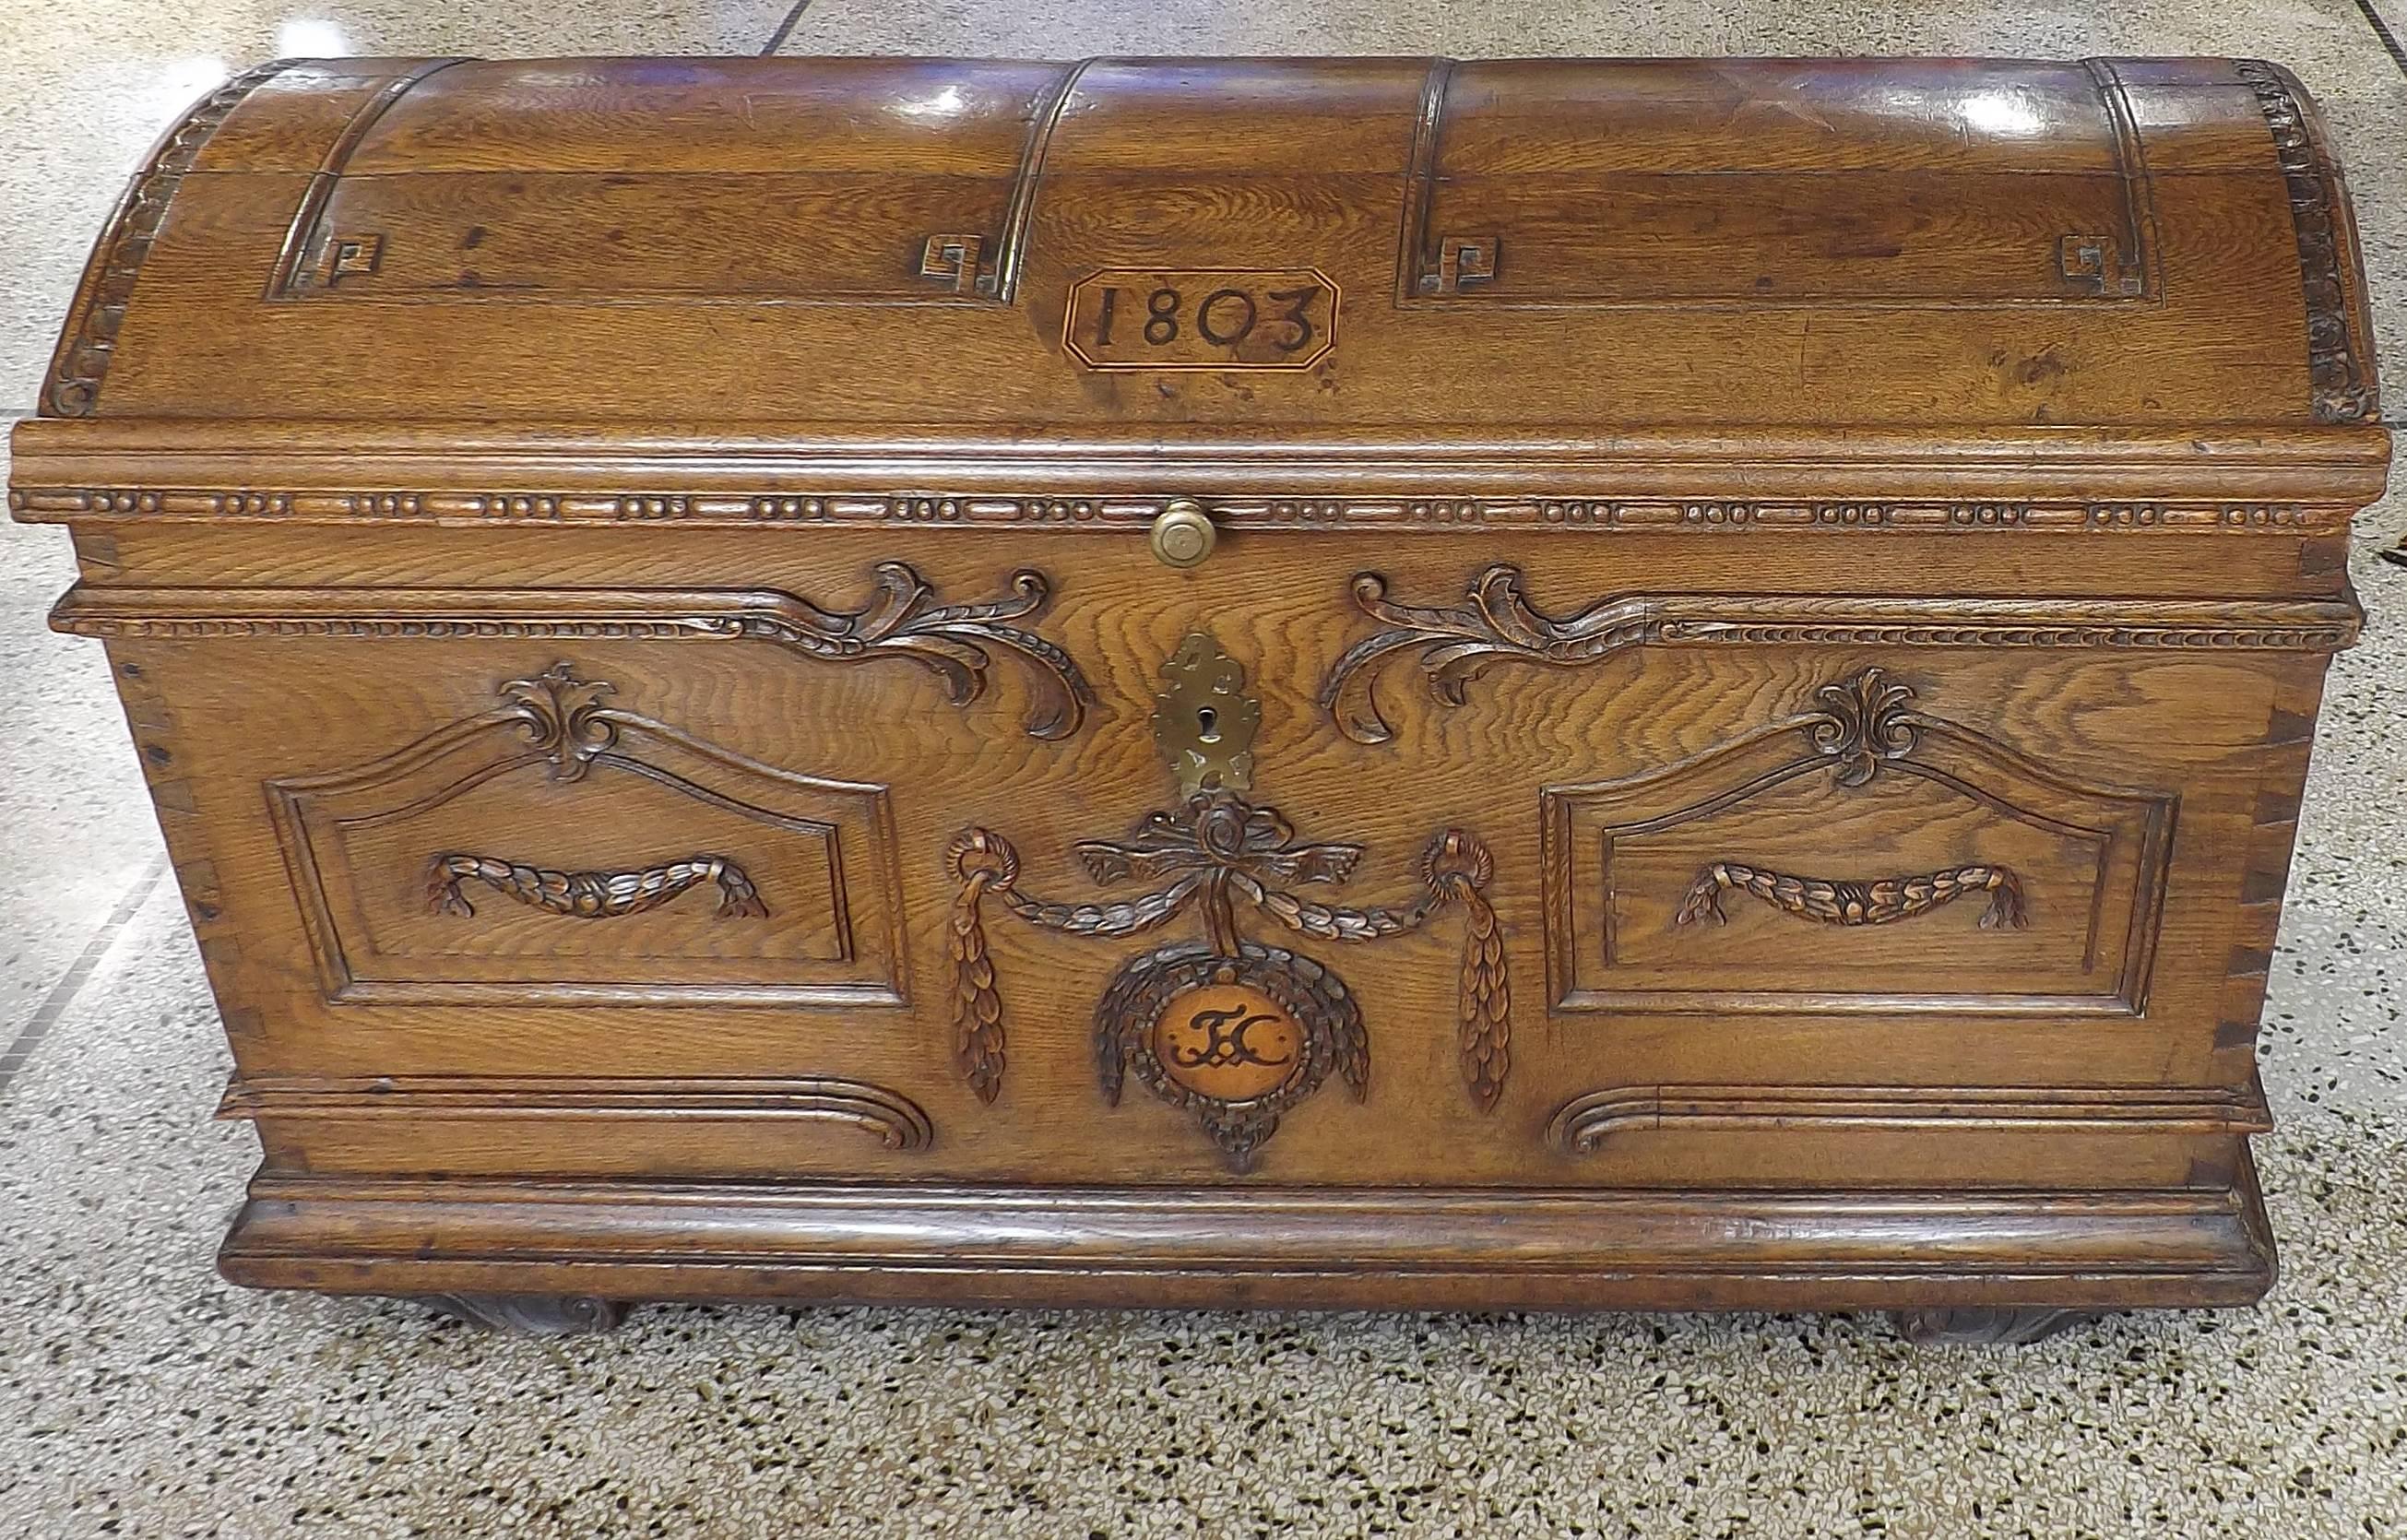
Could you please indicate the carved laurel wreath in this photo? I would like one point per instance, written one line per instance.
(1831, 901)
(590, 896)
(1334, 1035)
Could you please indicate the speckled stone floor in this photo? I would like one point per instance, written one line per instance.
(141, 1396)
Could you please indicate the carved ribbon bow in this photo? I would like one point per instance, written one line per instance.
(1220, 843)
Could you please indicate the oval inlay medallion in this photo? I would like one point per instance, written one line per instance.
(1228, 1041)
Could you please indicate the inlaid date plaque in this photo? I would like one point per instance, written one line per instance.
(1357, 682)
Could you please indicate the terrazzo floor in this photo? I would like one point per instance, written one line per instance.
(141, 1396)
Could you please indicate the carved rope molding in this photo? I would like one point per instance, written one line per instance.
(894, 1119)
(900, 621)
(1496, 622)
(590, 896)
(1832, 902)
(38, 504)
(73, 387)
(2336, 364)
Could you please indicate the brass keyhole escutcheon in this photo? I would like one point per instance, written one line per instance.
(1203, 721)
(1183, 534)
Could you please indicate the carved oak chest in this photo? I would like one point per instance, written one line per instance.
(1349, 683)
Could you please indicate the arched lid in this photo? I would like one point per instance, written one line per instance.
(1341, 258)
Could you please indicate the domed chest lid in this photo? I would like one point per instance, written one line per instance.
(1200, 255)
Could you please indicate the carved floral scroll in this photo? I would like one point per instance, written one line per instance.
(1495, 622)
(901, 618)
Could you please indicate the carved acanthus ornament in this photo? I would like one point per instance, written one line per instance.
(1864, 719)
(904, 620)
(1456, 643)
(901, 620)
(565, 718)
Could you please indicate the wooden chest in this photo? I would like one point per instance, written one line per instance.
(1349, 683)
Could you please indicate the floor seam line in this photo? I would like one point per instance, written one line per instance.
(785, 29)
(70, 984)
(2372, 18)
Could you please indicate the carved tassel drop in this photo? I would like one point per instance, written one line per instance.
(979, 859)
(1457, 867)
(1487, 1004)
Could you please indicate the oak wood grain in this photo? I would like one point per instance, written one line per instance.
(1765, 623)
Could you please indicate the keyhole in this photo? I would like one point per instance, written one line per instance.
(1207, 724)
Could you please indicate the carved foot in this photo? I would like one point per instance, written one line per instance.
(537, 1315)
(1985, 1328)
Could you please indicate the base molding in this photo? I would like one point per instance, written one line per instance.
(1247, 1246)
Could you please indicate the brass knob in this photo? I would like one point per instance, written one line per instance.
(1183, 534)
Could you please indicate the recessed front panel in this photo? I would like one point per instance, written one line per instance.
(564, 849)
(1866, 857)
(1699, 183)
(830, 239)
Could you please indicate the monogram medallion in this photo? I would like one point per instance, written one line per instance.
(1226, 1040)
(1236, 1040)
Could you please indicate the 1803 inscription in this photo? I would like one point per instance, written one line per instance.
(1217, 318)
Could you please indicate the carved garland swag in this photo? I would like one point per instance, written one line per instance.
(1218, 850)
